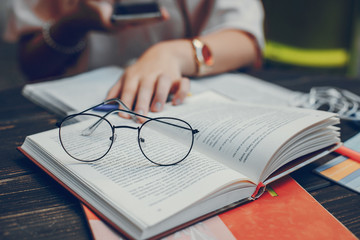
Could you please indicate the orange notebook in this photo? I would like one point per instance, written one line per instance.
(285, 211)
(345, 169)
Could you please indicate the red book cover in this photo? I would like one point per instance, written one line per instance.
(285, 211)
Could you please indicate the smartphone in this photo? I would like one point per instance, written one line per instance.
(135, 11)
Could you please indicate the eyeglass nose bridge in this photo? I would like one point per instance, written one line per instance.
(123, 126)
(113, 138)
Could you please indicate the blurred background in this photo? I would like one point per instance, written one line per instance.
(10, 75)
(314, 37)
(321, 36)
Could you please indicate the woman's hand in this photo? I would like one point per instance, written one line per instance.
(156, 74)
(71, 21)
(94, 14)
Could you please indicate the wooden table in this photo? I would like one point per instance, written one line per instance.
(34, 206)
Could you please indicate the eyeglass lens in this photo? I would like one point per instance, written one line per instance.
(165, 141)
(89, 139)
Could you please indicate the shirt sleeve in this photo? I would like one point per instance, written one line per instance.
(245, 15)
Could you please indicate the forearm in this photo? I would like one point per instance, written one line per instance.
(39, 60)
(231, 49)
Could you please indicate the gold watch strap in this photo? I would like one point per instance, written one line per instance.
(203, 56)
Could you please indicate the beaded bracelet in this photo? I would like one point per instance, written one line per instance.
(58, 47)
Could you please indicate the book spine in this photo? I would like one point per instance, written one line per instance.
(260, 189)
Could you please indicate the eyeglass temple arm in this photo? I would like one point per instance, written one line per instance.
(88, 131)
(109, 101)
(133, 115)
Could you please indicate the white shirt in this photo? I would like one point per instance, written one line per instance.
(126, 45)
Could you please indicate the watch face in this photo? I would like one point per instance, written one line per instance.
(208, 58)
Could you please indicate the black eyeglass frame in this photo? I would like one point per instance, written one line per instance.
(113, 127)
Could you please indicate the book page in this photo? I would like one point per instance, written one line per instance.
(62, 96)
(245, 88)
(144, 192)
(244, 137)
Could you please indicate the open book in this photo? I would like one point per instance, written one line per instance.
(63, 96)
(239, 149)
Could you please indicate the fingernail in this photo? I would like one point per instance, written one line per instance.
(158, 106)
(140, 111)
(138, 118)
(124, 115)
(177, 101)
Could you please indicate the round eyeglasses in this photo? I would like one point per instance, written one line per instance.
(163, 141)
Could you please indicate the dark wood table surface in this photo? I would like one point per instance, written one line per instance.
(34, 206)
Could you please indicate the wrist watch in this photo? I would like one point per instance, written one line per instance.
(203, 57)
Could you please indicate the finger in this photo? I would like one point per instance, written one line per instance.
(182, 89)
(161, 92)
(115, 90)
(128, 93)
(144, 94)
(100, 13)
(106, 10)
(164, 14)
